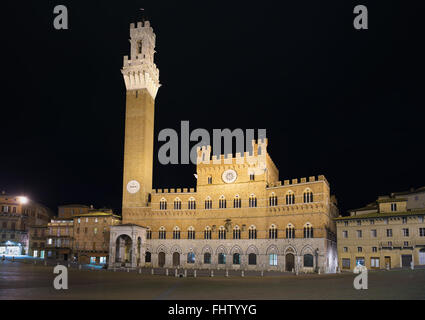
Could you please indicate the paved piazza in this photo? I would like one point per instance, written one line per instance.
(20, 280)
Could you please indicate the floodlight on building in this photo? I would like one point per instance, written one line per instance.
(23, 200)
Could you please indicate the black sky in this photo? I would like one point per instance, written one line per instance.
(335, 101)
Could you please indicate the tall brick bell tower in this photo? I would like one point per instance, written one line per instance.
(141, 78)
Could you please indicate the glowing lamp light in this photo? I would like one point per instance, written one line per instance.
(23, 200)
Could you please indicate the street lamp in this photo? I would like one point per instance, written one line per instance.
(23, 200)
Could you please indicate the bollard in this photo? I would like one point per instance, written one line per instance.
(176, 273)
(194, 273)
(79, 266)
(412, 266)
(35, 261)
(262, 273)
(128, 269)
(242, 274)
(152, 271)
(45, 263)
(140, 270)
(115, 269)
(227, 273)
(166, 272)
(212, 273)
(318, 271)
(185, 273)
(69, 265)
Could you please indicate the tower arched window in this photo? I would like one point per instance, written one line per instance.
(252, 201)
(177, 204)
(148, 233)
(222, 202)
(208, 203)
(252, 232)
(209, 180)
(273, 200)
(236, 232)
(162, 234)
(191, 233)
(290, 197)
(191, 205)
(207, 233)
(308, 230)
(163, 204)
(272, 232)
(290, 231)
(176, 233)
(237, 202)
(222, 233)
(308, 196)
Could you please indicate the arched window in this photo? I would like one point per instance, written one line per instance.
(209, 180)
(148, 257)
(252, 201)
(308, 196)
(290, 231)
(222, 202)
(273, 200)
(163, 204)
(272, 232)
(207, 233)
(308, 260)
(290, 197)
(162, 233)
(191, 233)
(252, 232)
(221, 258)
(207, 258)
(308, 230)
(208, 203)
(191, 257)
(176, 233)
(191, 205)
(139, 46)
(236, 232)
(177, 204)
(148, 233)
(222, 233)
(236, 258)
(252, 259)
(237, 202)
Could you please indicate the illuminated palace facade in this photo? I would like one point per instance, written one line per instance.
(240, 216)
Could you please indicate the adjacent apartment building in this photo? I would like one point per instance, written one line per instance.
(79, 233)
(388, 233)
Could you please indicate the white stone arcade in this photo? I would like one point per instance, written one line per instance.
(127, 246)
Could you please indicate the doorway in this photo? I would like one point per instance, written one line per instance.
(406, 260)
(388, 262)
(161, 259)
(422, 256)
(176, 259)
(289, 262)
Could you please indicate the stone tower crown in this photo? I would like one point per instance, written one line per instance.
(140, 71)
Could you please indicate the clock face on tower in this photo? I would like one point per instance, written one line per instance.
(229, 176)
(133, 186)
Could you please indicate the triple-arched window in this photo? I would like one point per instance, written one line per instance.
(176, 232)
(163, 204)
(308, 230)
(252, 232)
(252, 201)
(236, 232)
(191, 204)
(237, 202)
(191, 233)
(222, 202)
(207, 233)
(273, 200)
(308, 196)
(290, 197)
(272, 232)
(222, 233)
(162, 234)
(148, 233)
(208, 203)
(290, 231)
(177, 204)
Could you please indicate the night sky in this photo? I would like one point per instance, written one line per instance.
(334, 100)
